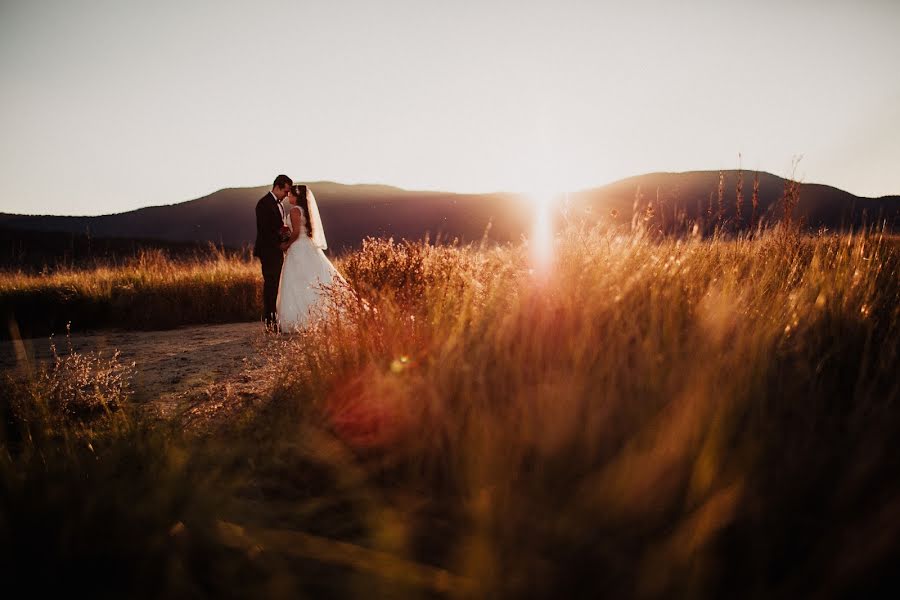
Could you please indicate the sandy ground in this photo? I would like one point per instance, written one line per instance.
(187, 369)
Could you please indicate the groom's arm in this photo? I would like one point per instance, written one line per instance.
(269, 223)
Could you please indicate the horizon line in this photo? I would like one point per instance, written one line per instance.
(413, 190)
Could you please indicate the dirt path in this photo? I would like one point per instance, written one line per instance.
(174, 370)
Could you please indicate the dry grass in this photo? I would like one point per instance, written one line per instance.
(151, 291)
(643, 419)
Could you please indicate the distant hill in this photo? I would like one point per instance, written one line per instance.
(349, 212)
(352, 212)
(688, 195)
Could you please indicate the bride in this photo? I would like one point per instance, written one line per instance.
(306, 268)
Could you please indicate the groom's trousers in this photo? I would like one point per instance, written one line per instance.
(271, 272)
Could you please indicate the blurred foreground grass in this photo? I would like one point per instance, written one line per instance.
(644, 418)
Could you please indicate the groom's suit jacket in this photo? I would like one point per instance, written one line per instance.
(268, 225)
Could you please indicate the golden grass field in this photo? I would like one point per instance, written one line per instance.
(645, 418)
(149, 291)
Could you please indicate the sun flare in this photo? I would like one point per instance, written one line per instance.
(541, 241)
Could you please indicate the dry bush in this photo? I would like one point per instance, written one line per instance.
(77, 391)
(84, 384)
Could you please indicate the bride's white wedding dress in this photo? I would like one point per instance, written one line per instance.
(306, 269)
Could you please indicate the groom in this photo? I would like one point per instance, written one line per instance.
(269, 219)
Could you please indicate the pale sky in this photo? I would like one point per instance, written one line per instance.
(110, 105)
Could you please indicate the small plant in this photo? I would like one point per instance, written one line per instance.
(720, 200)
(790, 198)
(83, 385)
(77, 391)
(754, 202)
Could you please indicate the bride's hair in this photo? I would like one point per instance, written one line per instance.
(303, 202)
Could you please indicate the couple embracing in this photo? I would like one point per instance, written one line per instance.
(289, 244)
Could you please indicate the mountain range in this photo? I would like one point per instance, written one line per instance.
(352, 212)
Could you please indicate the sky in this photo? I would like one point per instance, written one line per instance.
(110, 105)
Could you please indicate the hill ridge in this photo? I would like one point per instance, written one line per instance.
(352, 212)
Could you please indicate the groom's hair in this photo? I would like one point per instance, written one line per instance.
(281, 181)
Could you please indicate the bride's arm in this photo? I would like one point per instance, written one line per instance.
(295, 226)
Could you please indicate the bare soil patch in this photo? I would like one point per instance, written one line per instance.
(188, 372)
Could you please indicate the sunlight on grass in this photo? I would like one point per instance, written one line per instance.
(659, 418)
(540, 243)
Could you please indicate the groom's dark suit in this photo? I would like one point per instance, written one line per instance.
(269, 220)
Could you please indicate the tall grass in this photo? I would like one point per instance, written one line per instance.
(696, 417)
(645, 418)
(151, 291)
